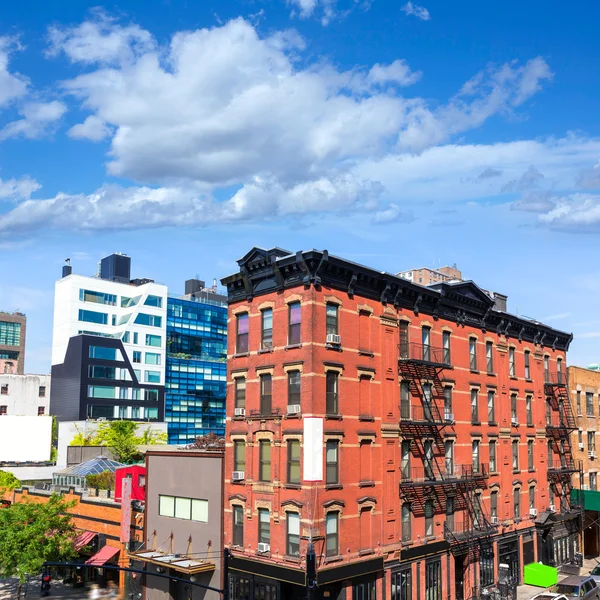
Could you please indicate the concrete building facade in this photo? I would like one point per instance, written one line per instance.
(24, 394)
(432, 466)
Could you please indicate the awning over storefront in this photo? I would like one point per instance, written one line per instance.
(84, 539)
(178, 562)
(590, 499)
(102, 556)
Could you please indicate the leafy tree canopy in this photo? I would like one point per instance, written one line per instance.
(8, 482)
(32, 533)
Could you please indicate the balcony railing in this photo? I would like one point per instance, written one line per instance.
(558, 421)
(432, 473)
(562, 466)
(422, 413)
(424, 353)
(555, 378)
(469, 529)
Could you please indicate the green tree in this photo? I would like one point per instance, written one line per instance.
(120, 437)
(150, 437)
(101, 481)
(32, 533)
(84, 438)
(8, 482)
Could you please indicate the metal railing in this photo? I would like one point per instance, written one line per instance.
(422, 413)
(413, 351)
(555, 378)
(562, 466)
(431, 472)
(478, 526)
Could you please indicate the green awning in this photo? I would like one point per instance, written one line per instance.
(590, 499)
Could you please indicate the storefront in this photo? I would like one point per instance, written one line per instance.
(508, 554)
(558, 537)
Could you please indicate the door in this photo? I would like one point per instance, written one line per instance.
(528, 556)
(459, 577)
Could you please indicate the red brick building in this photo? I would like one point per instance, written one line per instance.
(435, 409)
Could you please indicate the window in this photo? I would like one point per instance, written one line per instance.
(190, 509)
(242, 333)
(293, 461)
(266, 391)
(293, 534)
(517, 503)
(3, 409)
(4, 389)
(448, 415)
(135, 410)
(593, 481)
(489, 356)
(449, 457)
(433, 580)
(486, 565)
(149, 320)
(405, 460)
(42, 391)
(493, 466)
(546, 369)
(429, 517)
(428, 459)
(473, 354)
(579, 402)
(129, 302)
(405, 400)
(238, 526)
(527, 364)
(239, 455)
(152, 358)
(293, 388)
(294, 324)
(515, 455)
(153, 340)
(491, 406)
(591, 440)
(266, 340)
(403, 326)
(135, 337)
(331, 462)
(331, 319)
(151, 396)
(494, 504)
(446, 346)
(474, 406)
(402, 585)
(264, 526)
(156, 301)
(331, 383)
(331, 534)
(580, 437)
(97, 297)
(10, 334)
(41, 411)
(426, 342)
(560, 375)
(513, 409)
(589, 404)
(264, 471)
(137, 356)
(475, 452)
(240, 392)
(406, 522)
(152, 376)
(530, 455)
(511, 362)
(531, 496)
(90, 316)
(101, 391)
(122, 412)
(427, 402)
(529, 414)
(450, 513)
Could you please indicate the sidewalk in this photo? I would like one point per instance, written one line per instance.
(525, 592)
(8, 591)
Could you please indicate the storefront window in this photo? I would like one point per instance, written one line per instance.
(433, 580)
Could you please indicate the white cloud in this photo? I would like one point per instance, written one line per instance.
(38, 117)
(12, 85)
(417, 11)
(93, 129)
(326, 10)
(577, 211)
(18, 188)
(398, 72)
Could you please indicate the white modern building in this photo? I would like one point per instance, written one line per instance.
(108, 346)
(24, 395)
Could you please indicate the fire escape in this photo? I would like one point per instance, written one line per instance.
(439, 486)
(560, 423)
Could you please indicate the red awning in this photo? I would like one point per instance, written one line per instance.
(102, 556)
(83, 539)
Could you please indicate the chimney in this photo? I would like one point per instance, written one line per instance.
(67, 268)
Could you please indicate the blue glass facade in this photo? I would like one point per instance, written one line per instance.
(196, 373)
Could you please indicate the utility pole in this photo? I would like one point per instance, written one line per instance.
(311, 571)
(226, 574)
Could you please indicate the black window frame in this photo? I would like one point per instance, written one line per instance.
(404, 337)
(446, 347)
(294, 387)
(266, 394)
(489, 357)
(242, 338)
(473, 354)
(402, 584)
(266, 333)
(332, 468)
(332, 322)
(240, 392)
(433, 579)
(294, 329)
(237, 527)
(517, 503)
(512, 362)
(332, 393)
(527, 358)
(491, 407)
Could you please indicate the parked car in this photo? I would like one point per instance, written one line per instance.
(549, 596)
(595, 573)
(577, 588)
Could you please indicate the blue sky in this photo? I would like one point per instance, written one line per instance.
(397, 134)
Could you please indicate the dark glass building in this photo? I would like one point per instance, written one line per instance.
(196, 367)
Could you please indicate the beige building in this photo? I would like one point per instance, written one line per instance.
(426, 276)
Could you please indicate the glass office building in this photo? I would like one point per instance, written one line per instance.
(196, 373)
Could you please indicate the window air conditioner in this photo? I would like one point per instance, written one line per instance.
(293, 409)
(264, 547)
(239, 412)
(449, 417)
(533, 512)
(592, 454)
(238, 476)
(581, 446)
(494, 520)
(552, 508)
(514, 421)
(333, 338)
